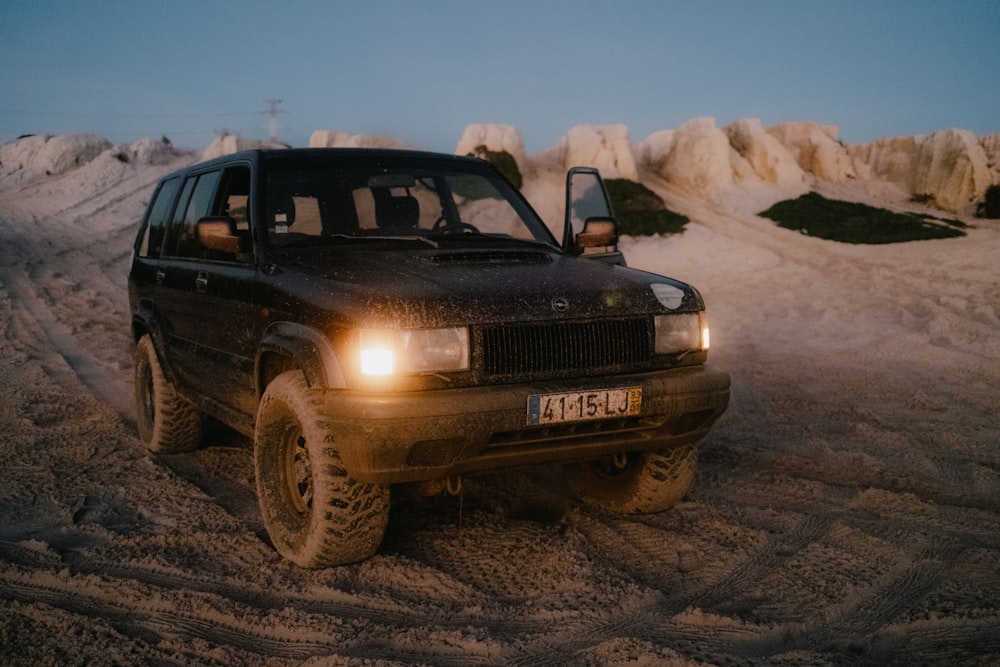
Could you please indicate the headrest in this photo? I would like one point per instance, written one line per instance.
(402, 212)
(282, 210)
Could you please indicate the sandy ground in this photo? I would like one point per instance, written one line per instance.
(846, 509)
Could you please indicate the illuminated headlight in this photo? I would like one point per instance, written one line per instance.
(683, 332)
(387, 352)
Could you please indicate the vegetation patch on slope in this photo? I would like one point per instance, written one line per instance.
(503, 161)
(851, 222)
(640, 211)
(989, 207)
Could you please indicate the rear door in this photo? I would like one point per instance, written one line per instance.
(146, 252)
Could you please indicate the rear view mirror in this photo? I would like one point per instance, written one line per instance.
(392, 181)
(218, 233)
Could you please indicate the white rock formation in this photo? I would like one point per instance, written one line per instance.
(333, 139)
(951, 167)
(42, 154)
(148, 151)
(606, 147)
(991, 144)
(701, 160)
(652, 151)
(889, 159)
(227, 144)
(495, 137)
(817, 149)
(770, 160)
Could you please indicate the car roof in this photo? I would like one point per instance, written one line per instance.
(347, 155)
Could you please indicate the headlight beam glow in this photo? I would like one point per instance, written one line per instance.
(385, 352)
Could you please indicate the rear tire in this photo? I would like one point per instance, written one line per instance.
(648, 482)
(168, 424)
(315, 513)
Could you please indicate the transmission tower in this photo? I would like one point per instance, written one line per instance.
(272, 120)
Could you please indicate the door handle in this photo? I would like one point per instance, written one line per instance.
(160, 275)
(201, 283)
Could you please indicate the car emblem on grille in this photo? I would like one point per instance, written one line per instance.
(560, 304)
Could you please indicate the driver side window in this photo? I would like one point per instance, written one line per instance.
(232, 200)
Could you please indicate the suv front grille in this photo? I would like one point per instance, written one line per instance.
(529, 349)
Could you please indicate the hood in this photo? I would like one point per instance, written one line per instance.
(444, 287)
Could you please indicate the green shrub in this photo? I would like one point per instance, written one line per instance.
(503, 161)
(850, 222)
(990, 206)
(640, 211)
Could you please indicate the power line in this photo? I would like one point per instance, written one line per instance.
(113, 114)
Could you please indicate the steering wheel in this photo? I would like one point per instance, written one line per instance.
(441, 225)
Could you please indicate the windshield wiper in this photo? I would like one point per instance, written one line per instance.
(419, 238)
(334, 239)
(494, 239)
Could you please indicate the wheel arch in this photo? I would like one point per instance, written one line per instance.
(289, 345)
(144, 322)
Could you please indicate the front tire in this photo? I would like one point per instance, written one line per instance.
(641, 483)
(315, 513)
(168, 424)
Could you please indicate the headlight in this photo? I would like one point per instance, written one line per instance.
(378, 352)
(683, 332)
(388, 352)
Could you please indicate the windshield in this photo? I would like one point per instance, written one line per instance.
(323, 205)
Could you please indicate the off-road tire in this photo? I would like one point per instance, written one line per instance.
(168, 423)
(649, 481)
(315, 514)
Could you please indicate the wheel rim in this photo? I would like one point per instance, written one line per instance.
(297, 471)
(615, 467)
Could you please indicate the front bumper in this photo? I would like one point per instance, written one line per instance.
(420, 436)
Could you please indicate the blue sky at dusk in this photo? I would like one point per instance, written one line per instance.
(422, 71)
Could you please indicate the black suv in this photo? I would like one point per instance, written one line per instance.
(375, 318)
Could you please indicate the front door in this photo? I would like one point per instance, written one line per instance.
(206, 296)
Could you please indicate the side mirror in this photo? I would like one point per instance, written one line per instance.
(219, 233)
(598, 232)
(590, 228)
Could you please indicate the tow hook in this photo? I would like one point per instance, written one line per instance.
(621, 460)
(453, 485)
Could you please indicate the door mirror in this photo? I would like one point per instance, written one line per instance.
(590, 227)
(219, 233)
(598, 232)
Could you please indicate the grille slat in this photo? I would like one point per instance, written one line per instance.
(531, 349)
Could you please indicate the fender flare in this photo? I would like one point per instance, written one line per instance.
(310, 349)
(145, 321)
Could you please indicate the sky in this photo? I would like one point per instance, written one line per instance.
(421, 71)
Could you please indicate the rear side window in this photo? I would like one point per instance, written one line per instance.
(159, 213)
(177, 220)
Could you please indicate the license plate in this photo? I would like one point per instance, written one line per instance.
(576, 406)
